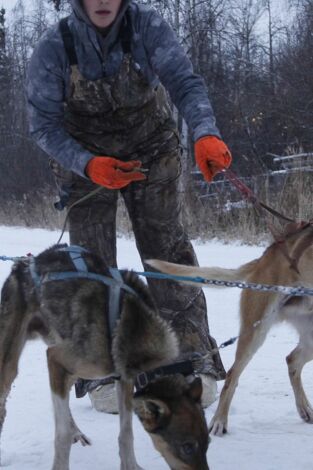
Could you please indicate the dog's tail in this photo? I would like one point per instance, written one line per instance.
(216, 273)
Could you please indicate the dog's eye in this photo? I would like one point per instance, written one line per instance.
(188, 448)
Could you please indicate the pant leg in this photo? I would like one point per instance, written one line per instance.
(155, 208)
(92, 222)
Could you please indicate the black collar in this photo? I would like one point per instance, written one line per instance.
(191, 366)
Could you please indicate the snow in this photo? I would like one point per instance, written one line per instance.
(265, 431)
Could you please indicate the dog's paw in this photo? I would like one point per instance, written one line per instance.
(306, 413)
(218, 427)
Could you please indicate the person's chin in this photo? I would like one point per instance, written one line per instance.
(103, 24)
(103, 21)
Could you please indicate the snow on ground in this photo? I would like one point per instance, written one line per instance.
(266, 432)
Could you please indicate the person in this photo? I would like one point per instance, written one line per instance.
(97, 92)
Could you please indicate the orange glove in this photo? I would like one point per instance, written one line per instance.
(112, 173)
(212, 156)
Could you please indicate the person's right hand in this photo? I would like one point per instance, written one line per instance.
(212, 156)
(113, 173)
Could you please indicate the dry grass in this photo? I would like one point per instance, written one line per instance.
(226, 215)
(229, 216)
(35, 210)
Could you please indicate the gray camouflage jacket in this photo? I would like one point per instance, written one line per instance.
(154, 48)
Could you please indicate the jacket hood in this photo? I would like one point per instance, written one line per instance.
(105, 41)
(79, 11)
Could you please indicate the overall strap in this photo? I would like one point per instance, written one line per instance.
(126, 34)
(68, 41)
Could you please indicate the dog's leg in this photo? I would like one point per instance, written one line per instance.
(13, 336)
(250, 340)
(296, 360)
(66, 430)
(126, 437)
(8, 372)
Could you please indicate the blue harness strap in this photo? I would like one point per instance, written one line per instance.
(115, 283)
(32, 269)
(75, 252)
(115, 295)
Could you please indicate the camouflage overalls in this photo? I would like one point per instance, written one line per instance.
(122, 116)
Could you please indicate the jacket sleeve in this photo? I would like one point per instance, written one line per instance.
(45, 90)
(170, 63)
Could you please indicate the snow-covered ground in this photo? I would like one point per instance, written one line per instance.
(266, 432)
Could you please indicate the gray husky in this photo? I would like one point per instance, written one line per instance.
(69, 298)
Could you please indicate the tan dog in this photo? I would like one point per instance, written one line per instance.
(72, 316)
(289, 264)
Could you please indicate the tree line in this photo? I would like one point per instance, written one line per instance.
(259, 82)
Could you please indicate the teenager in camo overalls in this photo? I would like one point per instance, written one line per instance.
(97, 96)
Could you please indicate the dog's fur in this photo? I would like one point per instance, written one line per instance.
(259, 310)
(71, 317)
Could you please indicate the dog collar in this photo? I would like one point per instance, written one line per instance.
(193, 365)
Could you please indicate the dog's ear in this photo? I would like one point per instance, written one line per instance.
(152, 412)
(195, 389)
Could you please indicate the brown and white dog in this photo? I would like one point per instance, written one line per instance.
(290, 264)
(71, 315)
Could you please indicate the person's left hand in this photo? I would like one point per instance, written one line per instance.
(212, 156)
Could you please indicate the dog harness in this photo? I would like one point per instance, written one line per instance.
(115, 283)
(191, 366)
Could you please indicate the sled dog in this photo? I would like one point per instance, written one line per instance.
(290, 264)
(52, 297)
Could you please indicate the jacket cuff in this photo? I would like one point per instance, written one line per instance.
(204, 130)
(80, 163)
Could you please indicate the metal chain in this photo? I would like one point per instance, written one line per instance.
(286, 290)
(232, 340)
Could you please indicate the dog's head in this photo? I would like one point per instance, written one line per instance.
(170, 411)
